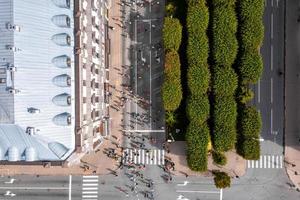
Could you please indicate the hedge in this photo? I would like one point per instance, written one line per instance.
(224, 123)
(219, 158)
(198, 79)
(225, 81)
(171, 88)
(172, 33)
(197, 137)
(250, 9)
(250, 149)
(250, 123)
(223, 2)
(250, 67)
(198, 108)
(221, 179)
(197, 19)
(251, 35)
(244, 94)
(224, 42)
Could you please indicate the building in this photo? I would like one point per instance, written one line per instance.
(51, 88)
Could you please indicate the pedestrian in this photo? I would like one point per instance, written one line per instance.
(186, 175)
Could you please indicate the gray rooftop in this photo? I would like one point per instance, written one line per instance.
(36, 79)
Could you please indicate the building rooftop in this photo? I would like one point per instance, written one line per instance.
(36, 80)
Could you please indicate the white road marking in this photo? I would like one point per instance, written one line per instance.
(272, 25)
(90, 176)
(271, 90)
(11, 181)
(89, 180)
(266, 162)
(35, 188)
(89, 188)
(183, 184)
(271, 58)
(70, 187)
(150, 63)
(158, 157)
(260, 161)
(136, 78)
(90, 192)
(277, 1)
(272, 3)
(271, 125)
(89, 184)
(221, 194)
(89, 196)
(198, 191)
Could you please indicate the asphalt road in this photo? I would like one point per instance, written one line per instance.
(265, 179)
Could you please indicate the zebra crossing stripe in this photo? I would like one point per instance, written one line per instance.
(249, 163)
(147, 158)
(260, 161)
(273, 161)
(154, 155)
(143, 156)
(150, 156)
(280, 161)
(135, 156)
(163, 157)
(277, 163)
(269, 160)
(256, 163)
(158, 157)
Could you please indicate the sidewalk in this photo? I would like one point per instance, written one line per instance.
(236, 165)
(292, 92)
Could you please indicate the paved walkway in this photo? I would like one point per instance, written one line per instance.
(292, 91)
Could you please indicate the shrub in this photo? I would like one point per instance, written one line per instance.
(224, 42)
(251, 10)
(198, 79)
(197, 19)
(250, 67)
(197, 141)
(171, 88)
(171, 9)
(172, 33)
(221, 179)
(223, 3)
(219, 158)
(251, 35)
(250, 149)
(198, 108)
(225, 81)
(244, 94)
(197, 49)
(170, 118)
(250, 123)
(224, 123)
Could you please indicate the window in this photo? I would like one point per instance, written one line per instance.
(2, 80)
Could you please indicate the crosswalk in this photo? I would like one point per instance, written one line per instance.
(89, 187)
(266, 162)
(142, 156)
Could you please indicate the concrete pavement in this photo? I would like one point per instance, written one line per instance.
(292, 132)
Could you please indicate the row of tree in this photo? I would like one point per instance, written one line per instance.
(249, 67)
(198, 77)
(171, 88)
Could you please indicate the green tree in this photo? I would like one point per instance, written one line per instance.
(221, 179)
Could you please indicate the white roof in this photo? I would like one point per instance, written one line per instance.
(30, 42)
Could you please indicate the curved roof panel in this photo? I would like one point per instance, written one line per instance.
(58, 149)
